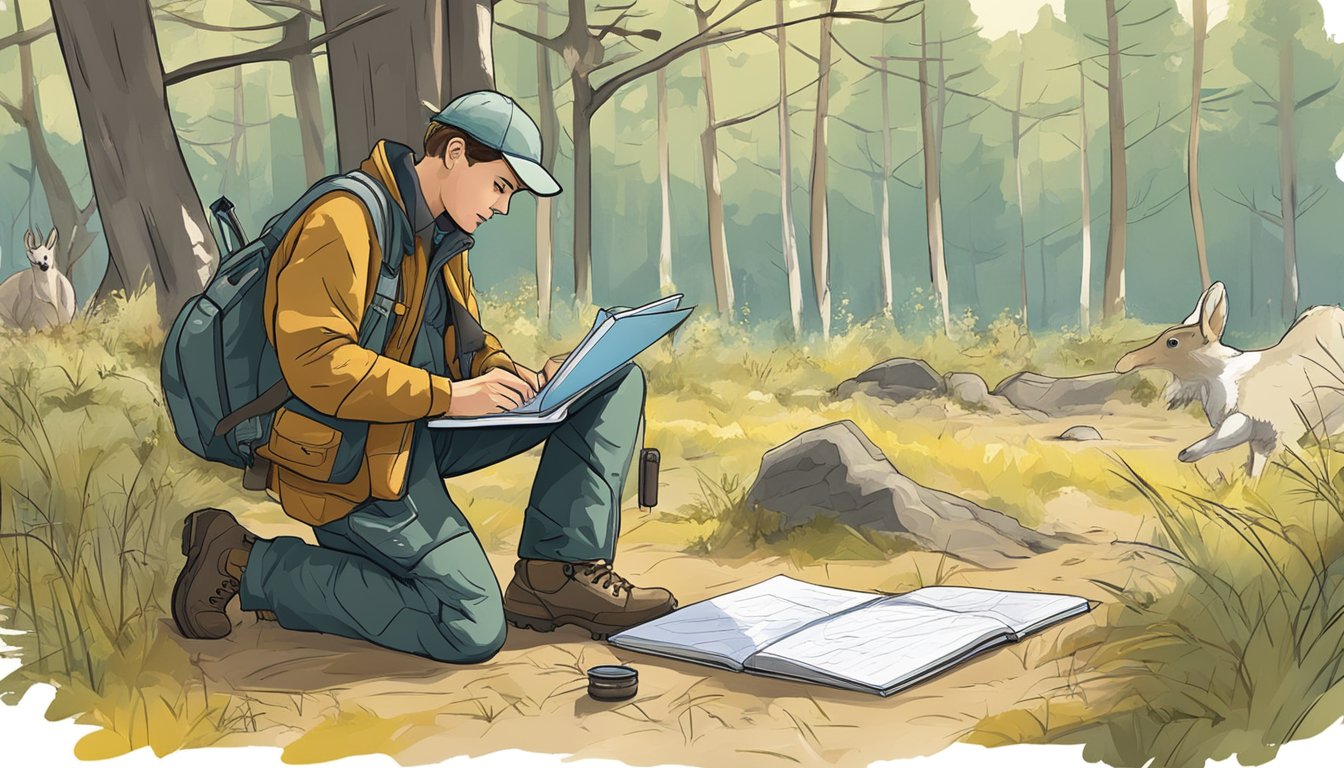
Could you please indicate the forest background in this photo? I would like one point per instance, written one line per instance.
(1003, 108)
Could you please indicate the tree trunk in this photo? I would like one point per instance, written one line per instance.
(1085, 293)
(709, 149)
(933, 197)
(1252, 239)
(151, 214)
(470, 52)
(1288, 180)
(583, 186)
(549, 136)
(383, 70)
(1021, 209)
(244, 170)
(1200, 22)
(307, 100)
(67, 217)
(1114, 290)
(788, 234)
(819, 232)
(665, 285)
(1043, 311)
(885, 200)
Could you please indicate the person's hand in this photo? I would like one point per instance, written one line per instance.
(548, 370)
(495, 391)
(538, 379)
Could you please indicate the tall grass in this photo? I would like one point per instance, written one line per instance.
(1244, 655)
(93, 488)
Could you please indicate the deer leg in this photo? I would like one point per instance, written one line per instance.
(1233, 431)
(1257, 462)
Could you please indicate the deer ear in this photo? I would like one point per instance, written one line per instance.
(1213, 314)
(29, 239)
(51, 239)
(1199, 308)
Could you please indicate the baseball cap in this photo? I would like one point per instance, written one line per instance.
(496, 121)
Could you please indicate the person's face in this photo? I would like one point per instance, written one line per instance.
(473, 192)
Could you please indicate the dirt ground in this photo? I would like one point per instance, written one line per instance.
(322, 697)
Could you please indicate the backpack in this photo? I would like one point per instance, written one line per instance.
(220, 375)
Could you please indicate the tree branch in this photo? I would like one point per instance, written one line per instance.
(912, 78)
(603, 92)
(291, 5)
(25, 36)
(1156, 126)
(279, 51)
(205, 26)
(1271, 218)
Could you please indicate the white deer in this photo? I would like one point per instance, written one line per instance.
(38, 297)
(1264, 398)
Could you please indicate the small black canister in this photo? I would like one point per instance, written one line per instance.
(612, 682)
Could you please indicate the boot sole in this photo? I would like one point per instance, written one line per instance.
(536, 624)
(193, 541)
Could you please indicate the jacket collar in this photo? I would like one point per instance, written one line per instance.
(399, 160)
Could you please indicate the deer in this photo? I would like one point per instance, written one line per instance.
(1266, 399)
(41, 296)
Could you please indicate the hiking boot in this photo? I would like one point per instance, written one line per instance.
(545, 594)
(217, 548)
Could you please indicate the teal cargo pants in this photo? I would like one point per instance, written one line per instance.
(410, 574)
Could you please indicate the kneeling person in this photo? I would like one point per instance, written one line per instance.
(396, 562)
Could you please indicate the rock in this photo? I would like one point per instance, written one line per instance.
(1057, 397)
(836, 470)
(967, 387)
(898, 379)
(1081, 433)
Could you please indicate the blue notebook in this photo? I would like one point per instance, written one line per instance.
(617, 335)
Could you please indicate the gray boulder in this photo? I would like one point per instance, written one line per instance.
(898, 379)
(969, 388)
(1081, 433)
(1057, 397)
(835, 470)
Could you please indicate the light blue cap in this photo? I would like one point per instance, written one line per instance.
(497, 121)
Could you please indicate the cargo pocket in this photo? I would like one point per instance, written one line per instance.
(393, 529)
(302, 445)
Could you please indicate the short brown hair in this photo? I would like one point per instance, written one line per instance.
(438, 135)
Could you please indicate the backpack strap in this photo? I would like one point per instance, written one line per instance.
(390, 230)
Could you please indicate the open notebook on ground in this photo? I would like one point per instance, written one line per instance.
(617, 336)
(876, 643)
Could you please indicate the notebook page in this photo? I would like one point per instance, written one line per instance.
(879, 647)
(1024, 612)
(732, 626)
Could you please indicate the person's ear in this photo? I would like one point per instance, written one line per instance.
(453, 152)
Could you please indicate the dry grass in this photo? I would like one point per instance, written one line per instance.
(93, 485)
(1246, 654)
(92, 488)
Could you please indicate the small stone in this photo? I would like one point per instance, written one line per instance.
(1081, 433)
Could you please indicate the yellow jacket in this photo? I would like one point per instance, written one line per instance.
(320, 281)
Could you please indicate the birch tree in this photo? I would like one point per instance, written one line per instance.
(583, 47)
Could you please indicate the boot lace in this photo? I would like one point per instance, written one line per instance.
(610, 580)
(227, 589)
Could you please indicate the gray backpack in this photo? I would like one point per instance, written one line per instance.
(219, 371)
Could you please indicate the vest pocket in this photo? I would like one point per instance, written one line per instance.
(302, 445)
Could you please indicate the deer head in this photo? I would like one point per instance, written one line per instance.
(40, 255)
(1187, 350)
